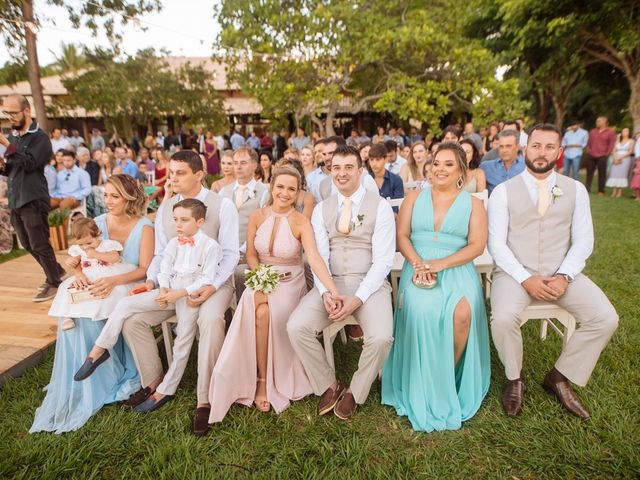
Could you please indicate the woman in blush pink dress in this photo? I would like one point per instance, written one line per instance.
(257, 364)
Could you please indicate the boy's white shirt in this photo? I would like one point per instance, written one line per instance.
(182, 260)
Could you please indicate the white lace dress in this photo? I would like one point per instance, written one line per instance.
(97, 309)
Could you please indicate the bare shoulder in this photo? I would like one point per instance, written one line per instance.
(298, 219)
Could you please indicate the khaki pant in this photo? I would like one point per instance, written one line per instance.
(376, 319)
(596, 318)
(138, 335)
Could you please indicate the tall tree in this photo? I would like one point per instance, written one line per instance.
(318, 57)
(141, 88)
(19, 26)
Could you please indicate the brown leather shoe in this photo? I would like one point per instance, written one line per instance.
(513, 397)
(137, 398)
(558, 386)
(346, 406)
(329, 399)
(201, 421)
(354, 332)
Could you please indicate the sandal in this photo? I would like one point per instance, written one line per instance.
(261, 403)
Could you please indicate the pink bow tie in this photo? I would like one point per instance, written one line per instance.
(186, 241)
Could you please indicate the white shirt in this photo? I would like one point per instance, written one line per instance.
(524, 139)
(227, 239)
(581, 229)
(383, 242)
(251, 187)
(61, 143)
(395, 166)
(186, 262)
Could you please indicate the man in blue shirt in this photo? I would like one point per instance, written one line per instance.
(253, 141)
(127, 165)
(73, 184)
(574, 142)
(510, 162)
(236, 140)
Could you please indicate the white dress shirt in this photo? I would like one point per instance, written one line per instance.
(184, 260)
(383, 242)
(396, 165)
(251, 187)
(227, 239)
(581, 229)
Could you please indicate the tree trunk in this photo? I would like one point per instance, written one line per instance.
(634, 102)
(33, 67)
(560, 107)
(331, 114)
(318, 123)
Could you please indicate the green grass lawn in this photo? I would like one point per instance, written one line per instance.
(544, 442)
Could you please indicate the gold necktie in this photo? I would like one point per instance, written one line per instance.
(240, 195)
(344, 225)
(543, 197)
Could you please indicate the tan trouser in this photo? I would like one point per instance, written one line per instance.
(138, 335)
(596, 317)
(376, 319)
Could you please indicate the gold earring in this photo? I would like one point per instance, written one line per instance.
(460, 183)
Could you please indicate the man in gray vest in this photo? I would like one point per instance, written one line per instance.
(540, 236)
(247, 194)
(355, 234)
(327, 187)
(221, 223)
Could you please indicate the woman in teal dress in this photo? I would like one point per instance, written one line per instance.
(68, 404)
(438, 371)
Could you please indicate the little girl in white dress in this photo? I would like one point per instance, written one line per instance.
(98, 259)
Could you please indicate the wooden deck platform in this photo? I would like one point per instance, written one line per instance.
(26, 331)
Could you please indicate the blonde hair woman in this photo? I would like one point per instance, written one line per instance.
(63, 409)
(257, 364)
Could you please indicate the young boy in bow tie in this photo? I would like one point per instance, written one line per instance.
(189, 262)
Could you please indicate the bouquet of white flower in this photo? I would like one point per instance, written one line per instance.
(263, 279)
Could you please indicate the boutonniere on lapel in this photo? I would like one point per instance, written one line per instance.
(357, 222)
(556, 192)
(252, 194)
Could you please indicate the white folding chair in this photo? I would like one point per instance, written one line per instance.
(329, 335)
(395, 202)
(547, 312)
(412, 186)
(396, 270)
(484, 196)
(484, 263)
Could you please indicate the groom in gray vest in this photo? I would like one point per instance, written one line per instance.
(221, 224)
(247, 194)
(540, 236)
(355, 234)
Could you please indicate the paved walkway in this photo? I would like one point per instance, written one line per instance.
(26, 331)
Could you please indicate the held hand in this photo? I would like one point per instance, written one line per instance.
(72, 262)
(559, 284)
(171, 295)
(160, 299)
(349, 305)
(102, 287)
(422, 277)
(198, 297)
(81, 281)
(429, 266)
(537, 286)
(331, 302)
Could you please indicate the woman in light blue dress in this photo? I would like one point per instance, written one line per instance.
(68, 404)
(438, 370)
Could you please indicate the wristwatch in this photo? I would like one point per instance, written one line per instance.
(566, 276)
